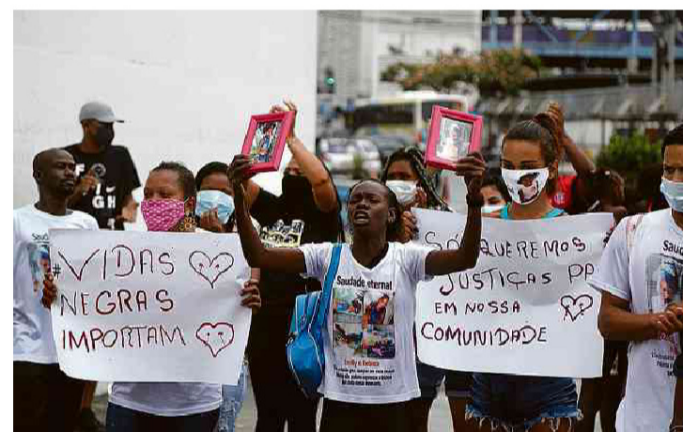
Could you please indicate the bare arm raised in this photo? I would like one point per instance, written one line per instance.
(465, 257)
(283, 260)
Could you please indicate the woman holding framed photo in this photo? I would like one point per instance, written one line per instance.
(369, 348)
(307, 211)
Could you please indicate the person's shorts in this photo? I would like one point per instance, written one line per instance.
(430, 378)
(517, 403)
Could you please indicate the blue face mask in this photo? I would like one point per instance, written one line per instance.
(673, 192)
(212, 199)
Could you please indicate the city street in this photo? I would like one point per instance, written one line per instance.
(439, 420)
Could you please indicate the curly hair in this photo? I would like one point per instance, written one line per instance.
(415, 157)
(185, 177)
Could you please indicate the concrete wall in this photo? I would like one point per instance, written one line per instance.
(185, 82)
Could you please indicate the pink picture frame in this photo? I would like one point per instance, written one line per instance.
(452, 135)
(265, 140)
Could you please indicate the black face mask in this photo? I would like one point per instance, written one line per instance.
(104, 136)
(296, 189)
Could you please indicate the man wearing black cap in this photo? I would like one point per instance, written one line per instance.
(106, 179)
(107, 174)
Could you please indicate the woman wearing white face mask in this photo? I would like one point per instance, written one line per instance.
(495, 195)
(530, 156)
(215, 211)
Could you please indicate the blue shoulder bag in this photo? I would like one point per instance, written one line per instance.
(305, 352)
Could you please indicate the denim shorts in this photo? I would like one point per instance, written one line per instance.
(430, 378)
(517, 403)
(233, 396)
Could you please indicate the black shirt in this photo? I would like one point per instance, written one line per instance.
(118, 178)
(284, 225)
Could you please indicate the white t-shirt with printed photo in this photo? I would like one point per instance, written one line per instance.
(33, 339)
(369, 345)
(643, 263)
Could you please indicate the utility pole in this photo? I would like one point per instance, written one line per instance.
(517, 30)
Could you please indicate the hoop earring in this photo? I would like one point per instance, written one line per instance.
(188, 224)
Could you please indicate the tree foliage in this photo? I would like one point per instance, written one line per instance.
(495, 73)
(630, 155)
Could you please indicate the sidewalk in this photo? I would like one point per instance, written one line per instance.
(440, 418)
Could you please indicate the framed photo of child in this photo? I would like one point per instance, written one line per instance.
(265, 140)
(452, 135)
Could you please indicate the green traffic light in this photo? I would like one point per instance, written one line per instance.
(329, 81)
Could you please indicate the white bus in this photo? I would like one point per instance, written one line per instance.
(405, 114)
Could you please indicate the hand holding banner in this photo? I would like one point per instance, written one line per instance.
(526, 307)
(141, 306)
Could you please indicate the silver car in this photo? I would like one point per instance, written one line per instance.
(345, 155)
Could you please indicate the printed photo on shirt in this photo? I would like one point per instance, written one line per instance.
(281, 235)
(379, 341)
(671, 280)
(348, 303)
(664, 285)
(39, 262)
(348, 339)
(378, 308)
(363, 323)
(664, 281)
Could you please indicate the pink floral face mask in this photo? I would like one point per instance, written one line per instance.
(162, 214)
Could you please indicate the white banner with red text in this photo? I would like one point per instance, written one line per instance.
(526, 307)
(143, 306)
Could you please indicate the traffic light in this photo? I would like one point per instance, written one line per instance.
(330, 82)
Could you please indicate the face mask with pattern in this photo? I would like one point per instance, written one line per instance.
(162, 214)
(525, 186)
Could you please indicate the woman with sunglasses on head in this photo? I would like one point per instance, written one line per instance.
(530, 157)
(370, 362)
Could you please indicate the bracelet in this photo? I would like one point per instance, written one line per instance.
(476, 201)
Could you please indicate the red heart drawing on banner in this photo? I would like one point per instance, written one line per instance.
(574, 307)
(216, 337)
(211, 268)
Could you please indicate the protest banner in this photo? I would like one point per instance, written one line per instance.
(144, 306)
(526, 307)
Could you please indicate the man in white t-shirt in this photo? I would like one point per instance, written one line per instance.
(641, 279)
(44, 397)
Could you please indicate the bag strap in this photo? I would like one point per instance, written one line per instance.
(323, 304)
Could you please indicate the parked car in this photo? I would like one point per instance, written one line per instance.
(387, 144)
(343, 155)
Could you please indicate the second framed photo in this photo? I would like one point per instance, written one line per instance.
(452, 135)
(265, 140)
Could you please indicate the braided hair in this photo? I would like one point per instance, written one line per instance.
(415, 157)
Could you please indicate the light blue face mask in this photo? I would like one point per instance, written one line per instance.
(673, 192)
(213, 199)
